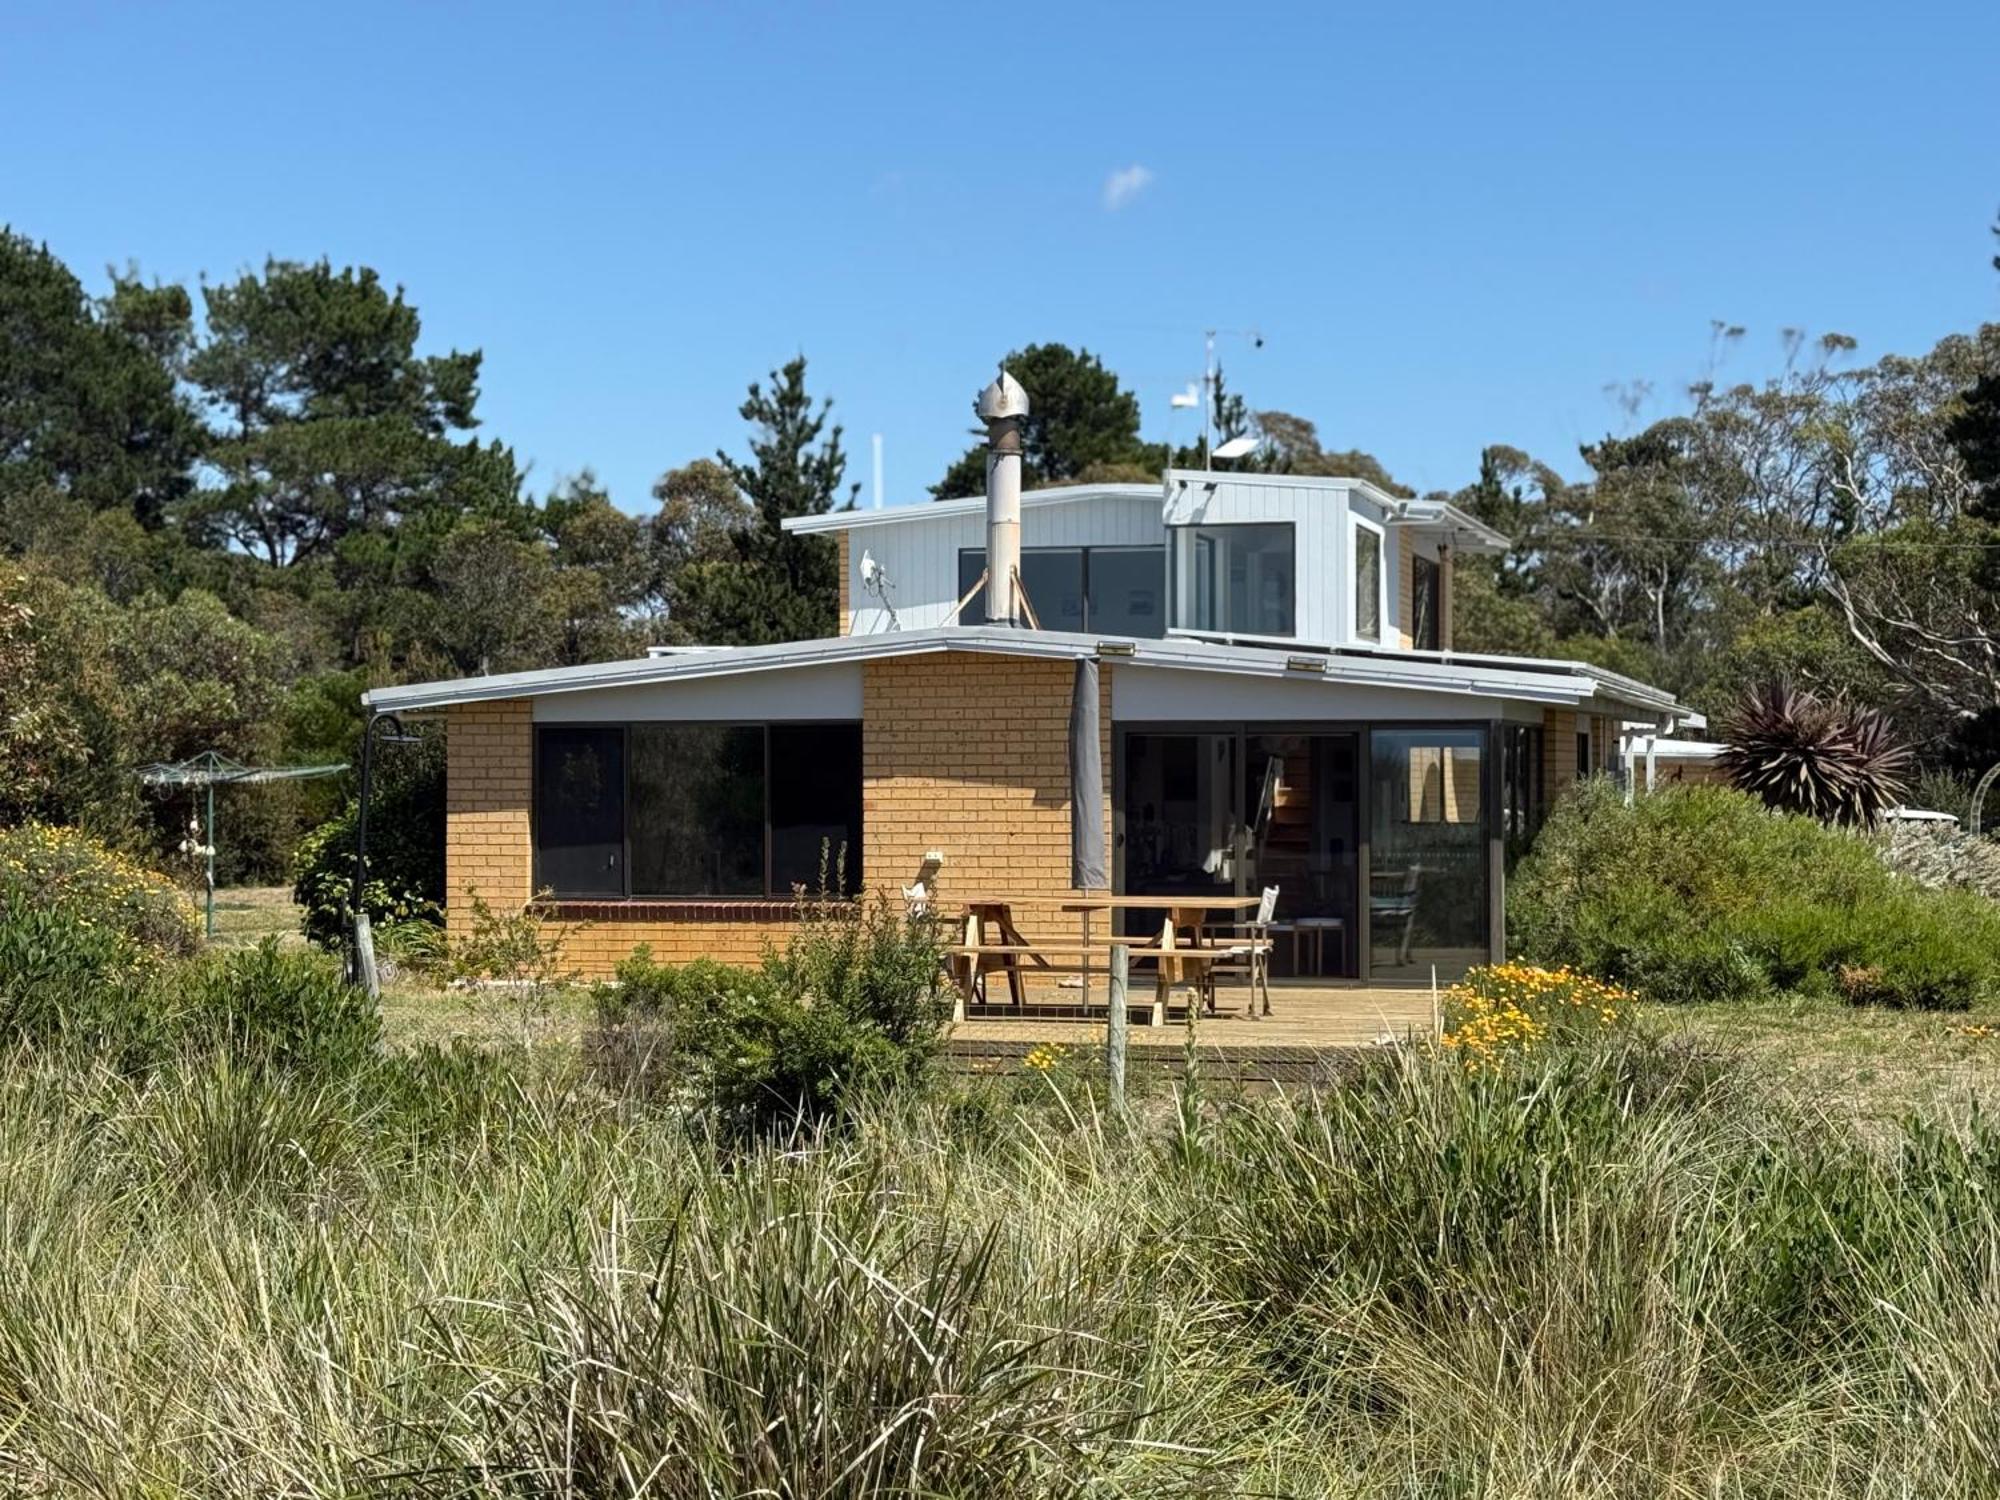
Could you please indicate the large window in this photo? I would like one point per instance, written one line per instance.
(1367, 583)
(580, 811)
(1426, 590)
(696, 810)
(1109, 590)
(1234, 580)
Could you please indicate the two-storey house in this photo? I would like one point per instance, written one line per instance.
(1280, 702)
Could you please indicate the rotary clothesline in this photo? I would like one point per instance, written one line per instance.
(206, 772)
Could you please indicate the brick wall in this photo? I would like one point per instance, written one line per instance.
(964, 754)
(968, 755)
(486, 843)
(846, 601)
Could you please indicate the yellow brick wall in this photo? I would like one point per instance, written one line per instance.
(968, 755)
(486, 845)
(846, 601)
(489, 750)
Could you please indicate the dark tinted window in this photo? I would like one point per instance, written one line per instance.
(1112, 590)
(815, 806)
(580, 811)
(1424, 589)
(1127, 588)
(697, 810)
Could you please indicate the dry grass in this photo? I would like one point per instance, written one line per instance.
(1874, 1066)
(247, 914)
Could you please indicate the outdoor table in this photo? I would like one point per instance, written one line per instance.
(1183, 911)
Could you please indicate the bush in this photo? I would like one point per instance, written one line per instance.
(64, 979)
(291, 1012)
(405, 852)
(66, 872)
(855, 1005)
(1505, 1010)
(1941, 856)
(1699, 893)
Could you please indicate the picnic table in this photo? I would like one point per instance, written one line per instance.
(1179, 960)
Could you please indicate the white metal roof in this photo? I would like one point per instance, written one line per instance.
(1468, 533)
(1062, 494)
(1523, 679)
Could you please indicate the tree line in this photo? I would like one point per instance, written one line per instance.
(219, 530)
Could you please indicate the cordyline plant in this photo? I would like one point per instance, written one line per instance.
(1823, 757)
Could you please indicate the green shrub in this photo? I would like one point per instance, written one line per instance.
(62, 979)
(1699, 893)
(291, 1012)
(67, 872)
(405, 852)
(854, 1006)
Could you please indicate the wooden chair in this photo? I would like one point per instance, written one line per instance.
(1248, 951)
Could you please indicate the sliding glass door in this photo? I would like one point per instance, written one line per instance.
(1430, 853)
(1228, 813)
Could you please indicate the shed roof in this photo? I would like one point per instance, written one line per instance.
(1558, 683)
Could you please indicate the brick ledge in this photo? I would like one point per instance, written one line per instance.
(645, 909)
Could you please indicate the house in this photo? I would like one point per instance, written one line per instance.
(1279, 702)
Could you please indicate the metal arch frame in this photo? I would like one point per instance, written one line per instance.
(1979, 791)
(362, 966)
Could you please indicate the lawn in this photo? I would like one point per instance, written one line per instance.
(1871, 1065)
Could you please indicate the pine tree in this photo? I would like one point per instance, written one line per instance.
(779, 587)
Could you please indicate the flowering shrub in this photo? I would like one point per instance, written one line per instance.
(1046, 1058)
(70, 875)
(1511, 1009)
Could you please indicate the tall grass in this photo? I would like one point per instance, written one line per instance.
(1608, 1273)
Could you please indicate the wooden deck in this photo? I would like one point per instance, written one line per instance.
(1307, 1021)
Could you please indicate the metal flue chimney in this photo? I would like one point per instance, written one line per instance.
(1001, 406)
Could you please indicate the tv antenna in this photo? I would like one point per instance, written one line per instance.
(876, 581)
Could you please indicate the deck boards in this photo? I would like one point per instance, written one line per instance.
(1305, 1020)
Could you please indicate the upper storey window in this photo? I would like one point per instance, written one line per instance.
(1426, 601)
(1367, 582)
(1235, 579)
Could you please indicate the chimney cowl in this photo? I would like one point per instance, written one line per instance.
(1002, 399)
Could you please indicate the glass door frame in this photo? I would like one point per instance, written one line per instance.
(1490, 731)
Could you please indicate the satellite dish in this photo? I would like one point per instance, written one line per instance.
(870, 569)
(1236, 447)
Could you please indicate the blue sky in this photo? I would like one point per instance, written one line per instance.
(1454, 224)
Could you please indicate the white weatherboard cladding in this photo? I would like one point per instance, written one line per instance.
(1318, 515)
(824, 692)
(1165, 695)
(920, 556)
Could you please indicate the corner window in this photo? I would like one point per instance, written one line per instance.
(1426, 590)
(1367, 582)
(696, 810)
(1235, 579)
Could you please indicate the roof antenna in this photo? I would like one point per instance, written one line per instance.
(876, 581)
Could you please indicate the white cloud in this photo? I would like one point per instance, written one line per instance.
(1124, 185)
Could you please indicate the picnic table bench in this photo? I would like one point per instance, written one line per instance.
(1014, 954)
